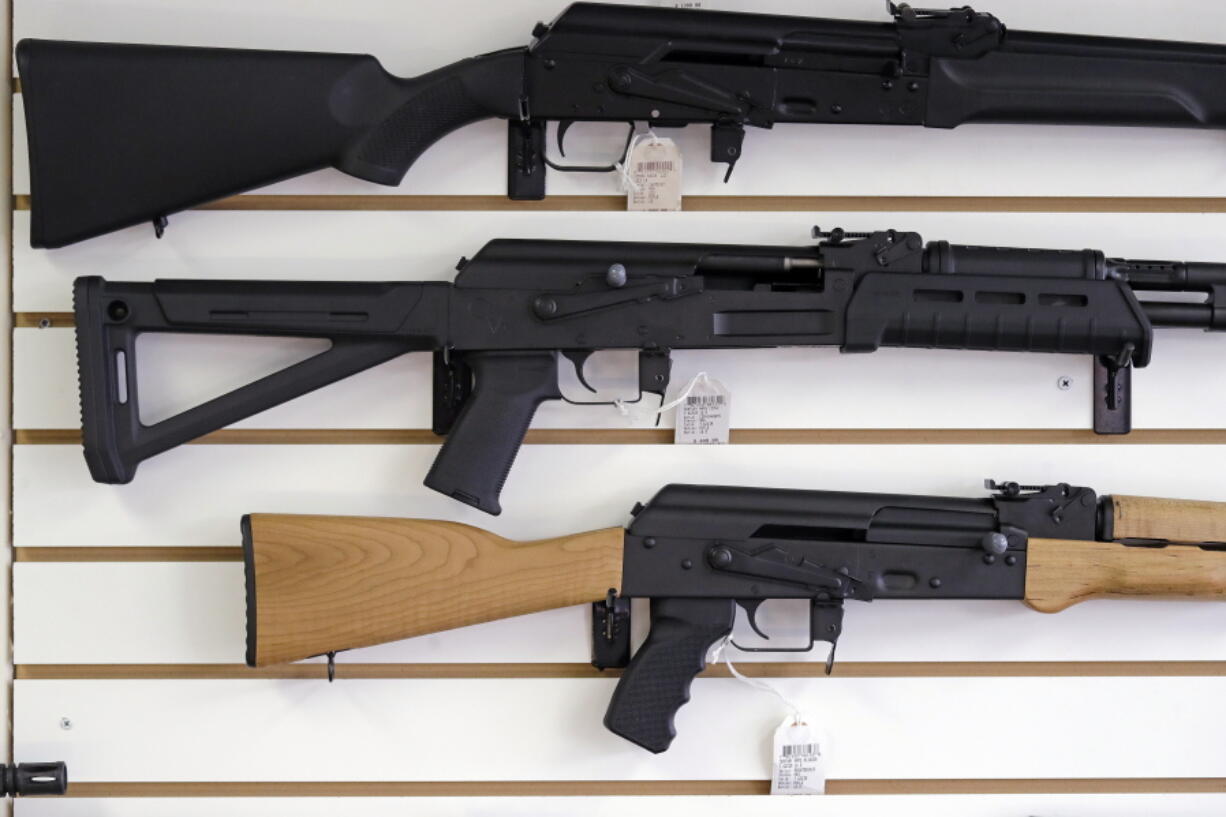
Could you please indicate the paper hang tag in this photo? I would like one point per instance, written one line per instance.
(653, 175)
(704, 413)
(798, 767)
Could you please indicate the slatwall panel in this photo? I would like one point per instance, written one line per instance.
(128, 600)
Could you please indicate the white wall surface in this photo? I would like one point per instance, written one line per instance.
(1121, 710)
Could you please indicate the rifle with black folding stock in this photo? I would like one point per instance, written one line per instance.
(700, 552)
(517, 306)
(124, 134)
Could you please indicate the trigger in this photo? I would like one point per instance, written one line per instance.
(750, 606)
(578, 358)
(563, 127)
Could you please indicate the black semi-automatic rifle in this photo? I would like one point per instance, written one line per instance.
(698, 552)
(123, 134)
(497, 332)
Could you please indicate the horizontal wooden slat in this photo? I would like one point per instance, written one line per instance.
(649, 436)
(752, 669)
(482, 788)
(128, 554)
(43, 320)
(647, 788)
(721, 204)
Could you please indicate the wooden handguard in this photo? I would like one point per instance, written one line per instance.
(1060, 573)
(322, 583)
(1170, 520)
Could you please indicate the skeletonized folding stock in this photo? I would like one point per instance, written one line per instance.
(517, 306)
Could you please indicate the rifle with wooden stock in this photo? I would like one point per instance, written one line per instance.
(320, 584)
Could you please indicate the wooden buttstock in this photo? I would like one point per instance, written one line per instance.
(1170, 520)
(321, 583)
(1060, 573)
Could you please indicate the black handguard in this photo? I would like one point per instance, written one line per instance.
(657, 682)
(204, 123)
(482, 445)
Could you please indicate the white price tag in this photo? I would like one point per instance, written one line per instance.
(797, 767)
(653, 175)
(704, 413)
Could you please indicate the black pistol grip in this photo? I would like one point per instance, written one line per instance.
(657, 682)
(431, 106)
(481, 447)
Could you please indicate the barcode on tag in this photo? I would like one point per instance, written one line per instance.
(654, 175)
(800, 749)
(798, 765)
(703, 418)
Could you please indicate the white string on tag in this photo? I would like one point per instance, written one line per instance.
(721, 653)
(623, 168)
(701, 377)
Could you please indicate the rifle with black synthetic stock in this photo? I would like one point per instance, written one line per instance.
(124, 134)
(517, 306)
(319, 584)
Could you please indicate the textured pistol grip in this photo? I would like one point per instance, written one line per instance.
(657, 682)
(430, 107)
(483, 443)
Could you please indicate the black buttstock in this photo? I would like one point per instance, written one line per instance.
(657, 682)
(482, 445)
(123, 134)
(367, 323)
